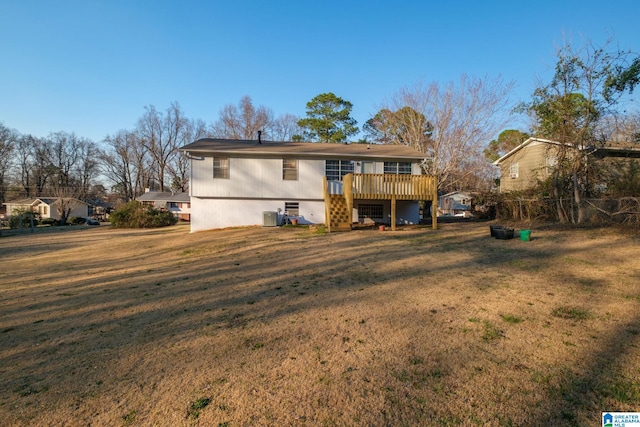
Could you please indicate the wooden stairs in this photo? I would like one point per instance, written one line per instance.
(340, 217)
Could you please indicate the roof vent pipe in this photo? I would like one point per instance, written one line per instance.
(259, 137)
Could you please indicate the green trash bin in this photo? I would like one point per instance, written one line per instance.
(525, 235)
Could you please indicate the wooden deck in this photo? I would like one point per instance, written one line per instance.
(385, 187)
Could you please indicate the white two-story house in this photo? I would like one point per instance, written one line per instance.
(247, 182)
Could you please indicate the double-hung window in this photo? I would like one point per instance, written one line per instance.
(221, 167)
(336, 169)
(290, 169)
(397, 168)
(550, 164)
(514, 170)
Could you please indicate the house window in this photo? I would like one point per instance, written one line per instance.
(290, 169)
(336, 169)
(550, 165)
(369, 211)
(513, 170)
(397, 168)
(221, 167)
(292, 208)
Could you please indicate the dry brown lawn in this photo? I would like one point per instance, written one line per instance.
(286, 327)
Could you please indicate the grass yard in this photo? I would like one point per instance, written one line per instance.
(286, 327)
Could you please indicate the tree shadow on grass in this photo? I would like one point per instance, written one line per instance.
(200, 284)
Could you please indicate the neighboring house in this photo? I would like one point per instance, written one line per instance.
(535, 159)
(100, 209)
(178, 203)
(457, 203)
(47, 207)
(242, 182)
(527, 164)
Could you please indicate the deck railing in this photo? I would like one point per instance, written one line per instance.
(387, 186)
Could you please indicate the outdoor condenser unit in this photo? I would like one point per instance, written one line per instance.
(269, 219)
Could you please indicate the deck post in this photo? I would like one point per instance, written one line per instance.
(347, 190)
(327, 211)
(393, 212)
(434, 208)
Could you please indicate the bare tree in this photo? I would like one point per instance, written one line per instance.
(464, 117)
(179, 165)
(72, 166)
(63, 157)
(87, 167)
(285, 128)
(66, 201)
(33, 160)
(160, 136)
(243, 121)
(72, 162)
(125, 163)
(619, 128)
(8, 141)
(405, 126)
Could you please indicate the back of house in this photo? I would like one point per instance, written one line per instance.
(244, 182)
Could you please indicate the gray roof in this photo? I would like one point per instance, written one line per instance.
(251, 148)
(612, 149)
(164, 197)
(45, 200)
(20, 202)
(608, 149)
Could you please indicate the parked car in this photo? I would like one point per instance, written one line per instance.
(465, 214)
(90, 221)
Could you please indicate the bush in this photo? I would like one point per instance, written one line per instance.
(50, 221)
(74, 220)
(136, 215)
(14, 220)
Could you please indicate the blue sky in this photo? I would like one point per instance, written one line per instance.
(90, 67)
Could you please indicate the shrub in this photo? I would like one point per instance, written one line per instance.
(26, 217)
(75, 220)
(50, 221)
(136, 215)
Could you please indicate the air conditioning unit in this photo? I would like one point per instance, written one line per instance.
(269, 219)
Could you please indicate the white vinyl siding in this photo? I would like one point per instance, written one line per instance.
(258, 178)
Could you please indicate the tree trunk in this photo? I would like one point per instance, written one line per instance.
(562, 216)
(577, 197)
